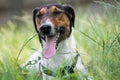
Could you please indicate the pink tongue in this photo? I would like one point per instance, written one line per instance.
(50, 50)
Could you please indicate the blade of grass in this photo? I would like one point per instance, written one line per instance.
(91, 38)
(24, 46)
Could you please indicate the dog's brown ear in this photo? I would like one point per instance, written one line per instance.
(34, 13)
(34, 22)
(71, 14)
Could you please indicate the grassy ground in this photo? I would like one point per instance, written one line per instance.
(97, 37)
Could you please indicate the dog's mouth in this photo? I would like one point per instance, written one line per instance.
(52, 42)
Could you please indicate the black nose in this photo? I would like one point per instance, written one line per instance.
(45, 29)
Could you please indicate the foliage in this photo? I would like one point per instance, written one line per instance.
(97, 37)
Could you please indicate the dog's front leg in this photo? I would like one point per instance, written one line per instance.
(82, 70)
(46, 77)
(80, 67)
(33, 63)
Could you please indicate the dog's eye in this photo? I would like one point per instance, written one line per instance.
(39, 16)
(57, 13)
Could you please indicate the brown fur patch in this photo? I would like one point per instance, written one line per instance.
(40, 17)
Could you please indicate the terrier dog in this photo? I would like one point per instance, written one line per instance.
(54, 24)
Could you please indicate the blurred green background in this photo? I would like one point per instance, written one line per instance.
(97, 34)
(9, 8)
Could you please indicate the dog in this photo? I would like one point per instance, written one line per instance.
(54, 25)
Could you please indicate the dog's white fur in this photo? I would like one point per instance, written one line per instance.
(65, 54)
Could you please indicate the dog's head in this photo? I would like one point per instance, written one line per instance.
(53, 23)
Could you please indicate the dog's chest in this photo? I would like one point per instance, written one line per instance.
(59, 61)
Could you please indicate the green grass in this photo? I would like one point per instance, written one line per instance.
(97, 37)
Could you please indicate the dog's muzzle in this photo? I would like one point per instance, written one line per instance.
(45, 29)
(52, 37)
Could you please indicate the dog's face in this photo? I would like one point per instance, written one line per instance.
(53, 24)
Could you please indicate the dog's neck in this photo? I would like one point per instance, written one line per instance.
(67, 46)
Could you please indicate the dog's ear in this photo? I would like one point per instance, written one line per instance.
(34, 13)
(34, 22)
(70, 12)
